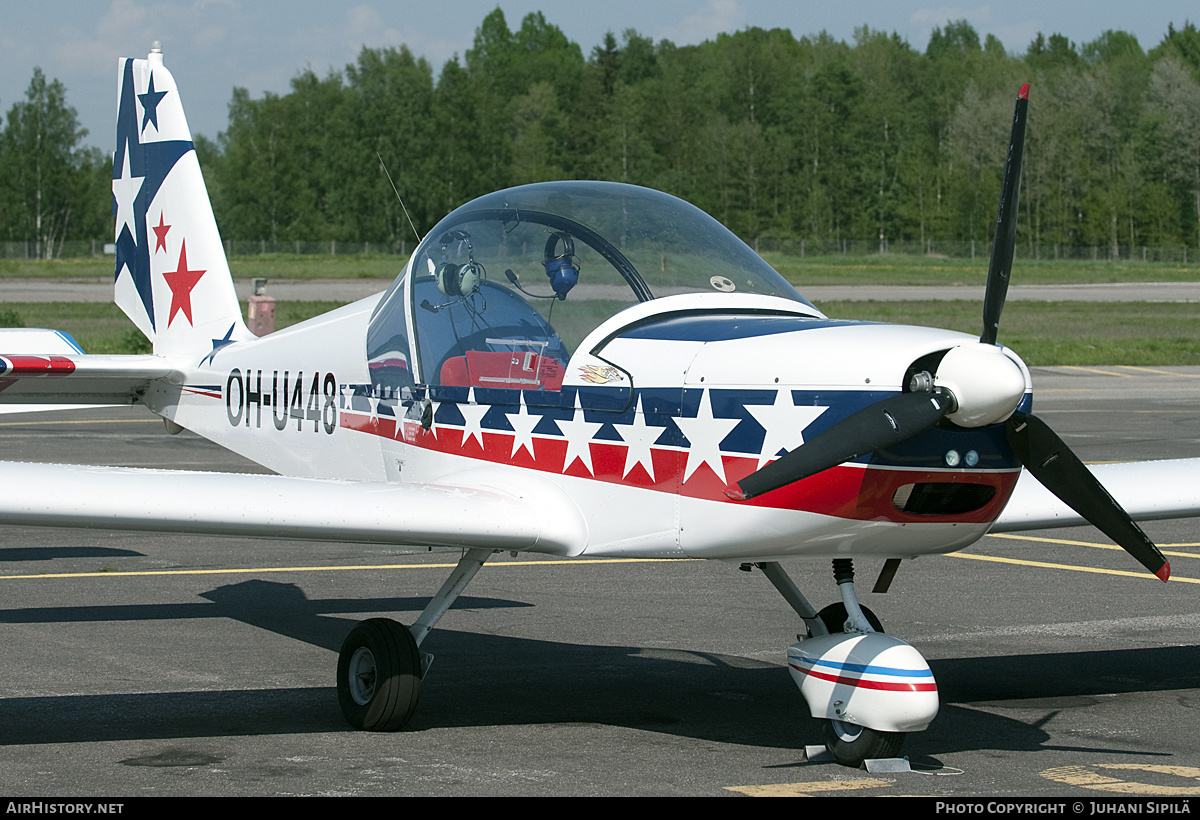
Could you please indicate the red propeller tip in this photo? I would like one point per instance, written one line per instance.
(1024, 92)
(1164, 572)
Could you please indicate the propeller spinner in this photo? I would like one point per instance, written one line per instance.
(974, 385)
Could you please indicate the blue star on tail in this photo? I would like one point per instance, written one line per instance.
(150, 101)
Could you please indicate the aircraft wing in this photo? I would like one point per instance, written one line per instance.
(473, 513)
(1148, 490)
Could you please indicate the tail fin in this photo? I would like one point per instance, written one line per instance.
(172, 278)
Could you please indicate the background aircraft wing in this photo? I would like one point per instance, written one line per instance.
(473, 513)
(1148, 490)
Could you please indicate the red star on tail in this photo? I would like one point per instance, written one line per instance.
(160, 243)
(181, 281)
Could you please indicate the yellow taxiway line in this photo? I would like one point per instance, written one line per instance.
(1094, 545)
(1049, 565)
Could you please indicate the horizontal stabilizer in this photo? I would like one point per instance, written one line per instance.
(50, 378)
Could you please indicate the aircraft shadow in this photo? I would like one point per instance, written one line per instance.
(490, 681)
(57, 552)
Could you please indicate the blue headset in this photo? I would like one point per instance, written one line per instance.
(562, 268)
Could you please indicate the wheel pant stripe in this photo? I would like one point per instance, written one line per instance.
(869, 684)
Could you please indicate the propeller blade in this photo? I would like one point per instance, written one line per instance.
(882, 424)
(1061, 472)
(1006, 224)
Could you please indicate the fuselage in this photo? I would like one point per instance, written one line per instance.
(659, 411)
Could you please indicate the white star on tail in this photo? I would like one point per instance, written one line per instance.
(473, 418)
(522, 424)
(639, 436)
(125, 191)
(784, 422)
(579, 436)
(705, 433)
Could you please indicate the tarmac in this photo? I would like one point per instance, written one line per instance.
(349, 290)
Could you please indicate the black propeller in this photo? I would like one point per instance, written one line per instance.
(1061, 472)
(905, 415)
(879, 425)
(1005, 240)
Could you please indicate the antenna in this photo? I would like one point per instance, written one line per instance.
(416, 233)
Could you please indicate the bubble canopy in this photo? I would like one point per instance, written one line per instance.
(533, 269)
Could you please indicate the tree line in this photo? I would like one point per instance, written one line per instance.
(781, 138)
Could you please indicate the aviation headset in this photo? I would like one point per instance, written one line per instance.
(459, 280)
(562, 268)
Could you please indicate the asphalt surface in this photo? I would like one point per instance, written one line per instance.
(211, 672)
(348, 290)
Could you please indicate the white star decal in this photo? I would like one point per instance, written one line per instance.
(125, 191)
(473, 415)
(784, 422)
(704, 433)
(579, 435)
(639, 436)
(522, 424)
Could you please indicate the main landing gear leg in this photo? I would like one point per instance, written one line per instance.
(380, 666)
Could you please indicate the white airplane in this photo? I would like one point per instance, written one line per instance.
(569, 368)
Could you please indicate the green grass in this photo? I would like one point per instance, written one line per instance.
(899, 269)
(1042, 333)
(89, 268)
(1058, 333)
(101, 327)
(284, 266)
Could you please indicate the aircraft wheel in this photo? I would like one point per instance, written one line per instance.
(851, 744)
(379, 676)
(834, 618)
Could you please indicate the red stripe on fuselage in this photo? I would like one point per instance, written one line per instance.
(859, 492)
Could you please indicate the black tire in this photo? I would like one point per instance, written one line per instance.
(834, 618)
(379, 676)
(851, 745)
